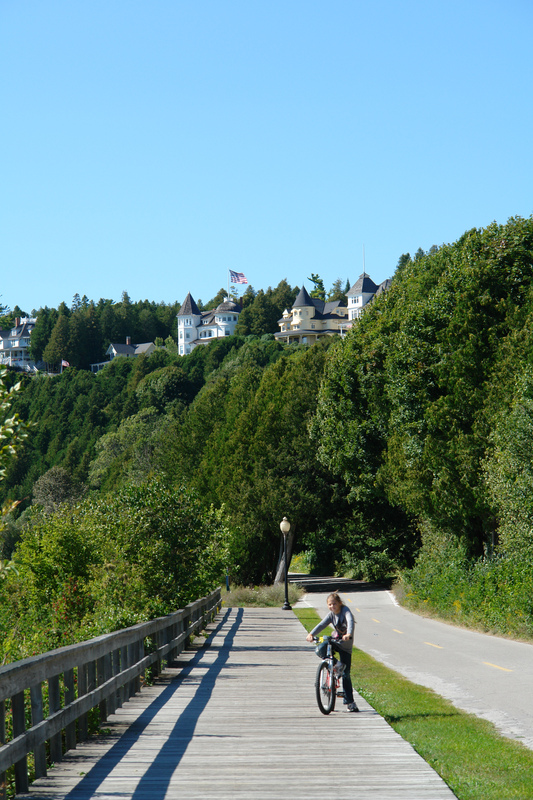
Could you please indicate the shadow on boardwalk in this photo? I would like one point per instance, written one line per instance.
(238, 720)
(162, 768)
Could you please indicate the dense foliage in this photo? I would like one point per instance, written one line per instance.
(425, 407)
(107, 563)
(404, 448)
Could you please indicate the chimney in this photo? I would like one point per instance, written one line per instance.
(17, 322)
(128, 339)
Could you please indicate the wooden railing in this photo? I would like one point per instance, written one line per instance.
(103, 672)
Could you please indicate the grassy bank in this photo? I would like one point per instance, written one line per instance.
(260, 596)
(467, 752)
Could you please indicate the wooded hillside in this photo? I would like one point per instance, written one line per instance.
(403, 449)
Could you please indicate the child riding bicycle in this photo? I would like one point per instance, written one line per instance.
(341, 619)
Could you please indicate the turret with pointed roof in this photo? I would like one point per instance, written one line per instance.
(360, 294)
(189, 307)
(197, 327)
(311, 318)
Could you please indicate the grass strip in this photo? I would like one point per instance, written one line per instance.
(475, 760)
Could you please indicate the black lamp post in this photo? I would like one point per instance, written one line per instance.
(285, 527)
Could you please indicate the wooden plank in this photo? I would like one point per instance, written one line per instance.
(238, 719)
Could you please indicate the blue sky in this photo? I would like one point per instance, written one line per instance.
(150, 147)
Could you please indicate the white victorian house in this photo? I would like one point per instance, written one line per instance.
(197, 327)
(15, 343)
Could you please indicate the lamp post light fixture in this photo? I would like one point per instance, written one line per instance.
(285, 527)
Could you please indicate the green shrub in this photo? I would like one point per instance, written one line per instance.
(108, 563)
(493, 594)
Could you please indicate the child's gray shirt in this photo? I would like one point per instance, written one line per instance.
(343, 623)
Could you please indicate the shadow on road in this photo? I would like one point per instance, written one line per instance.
(313, 583)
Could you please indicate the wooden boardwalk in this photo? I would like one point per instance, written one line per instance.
(237, 718)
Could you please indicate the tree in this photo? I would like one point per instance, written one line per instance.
(40, 335)
(13, 430)
(337, 292)
(258, 318)
(319, 291)
(54, 488)
(58, 347)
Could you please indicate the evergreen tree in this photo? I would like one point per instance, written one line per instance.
(319, 291)
(58, 347)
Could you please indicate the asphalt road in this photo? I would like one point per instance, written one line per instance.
(485, 675)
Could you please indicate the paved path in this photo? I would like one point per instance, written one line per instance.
(485, 675)
(238, 719)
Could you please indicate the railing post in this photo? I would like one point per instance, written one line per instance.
(124, 664)
(115, 670)
(3, 788)
(108, 673)
(39, 752)
(100, 677)
(91, 676)
(131, 661)
(83, 720)
(54, 704)
(70, 730)
(19, 727)
(139, 655)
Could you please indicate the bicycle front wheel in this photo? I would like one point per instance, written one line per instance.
(325, 688)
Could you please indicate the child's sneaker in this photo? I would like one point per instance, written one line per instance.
(351, 707)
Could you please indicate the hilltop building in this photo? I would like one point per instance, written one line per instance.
(310, 318)
(362, 292)
(15, 343)
(129, 350)
(197, 327)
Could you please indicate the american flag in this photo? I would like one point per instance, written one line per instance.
(64, 363)
(238, 277)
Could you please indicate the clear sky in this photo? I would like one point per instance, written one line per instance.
(151, 146)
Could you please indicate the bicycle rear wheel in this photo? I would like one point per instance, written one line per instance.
(325, 688)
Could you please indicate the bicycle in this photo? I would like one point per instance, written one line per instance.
(327, 679)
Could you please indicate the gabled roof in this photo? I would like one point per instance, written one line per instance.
(383, 286)
(122, 349)
(23, 329)
(364, 285)
(130, 349)
(189, 307)
(143, 348)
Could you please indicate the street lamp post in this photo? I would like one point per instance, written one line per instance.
(285, 527)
